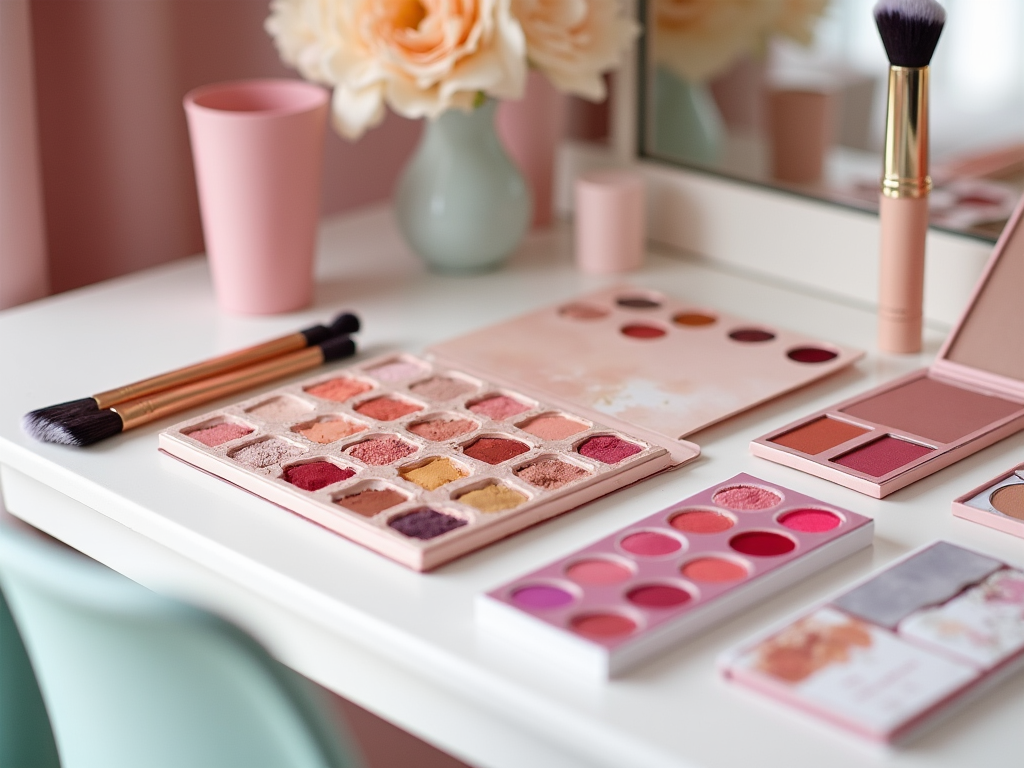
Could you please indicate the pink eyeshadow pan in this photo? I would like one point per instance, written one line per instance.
(339, 390)
(658, 596)
(328, 430)
(701, 521)
(883, 456)
(714, 570)
(553, 427)
(381, 451)
(441, 388)
(550, 473)
(499, 407)
(608, 449)
(810, 520)
(442, 429)
(746, 498)
(219, 434)
(597, 572)
(650, 544)
(602, 626)
(387, 408)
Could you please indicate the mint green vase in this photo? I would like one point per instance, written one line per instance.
(461, 203)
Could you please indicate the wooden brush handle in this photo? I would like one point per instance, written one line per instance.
(904, 226)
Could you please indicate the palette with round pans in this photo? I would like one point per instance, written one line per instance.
(419, 462)
(999, 503)
(652, 584)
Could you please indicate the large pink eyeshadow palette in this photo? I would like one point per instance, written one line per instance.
(885, 659)
(660, 580)
(419, 462)
(969, 398)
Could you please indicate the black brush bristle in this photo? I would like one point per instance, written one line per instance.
(78, 429)
(909, 30)
(41, 418)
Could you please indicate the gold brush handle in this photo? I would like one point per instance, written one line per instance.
(203, 370)
(142, 411)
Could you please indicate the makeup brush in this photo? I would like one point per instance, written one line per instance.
(86, 428)
(44, 418)
(910, 31)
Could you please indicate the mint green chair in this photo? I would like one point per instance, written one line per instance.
(134, 680)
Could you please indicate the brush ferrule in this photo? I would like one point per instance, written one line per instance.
(906, 134)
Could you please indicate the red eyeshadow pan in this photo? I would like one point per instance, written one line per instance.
(762, 544)
(658, 596)
(642, 331)
(882, 456)
(602, 625)
(316, 475)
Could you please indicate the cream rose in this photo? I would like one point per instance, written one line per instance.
(420, 57)
(572, 42)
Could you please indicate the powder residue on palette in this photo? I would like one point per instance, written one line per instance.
(381, 450)
(746, 498)
(339, 390)
(387, 408)
(499, 407)
(442, 429)
(329, 430)
(553, 426)
(219, 434)
(551, 474)
(371, 501)
(316, 475)
(433, 474)
(280, 409)
(607, 449)
(266, 453)
(426, 523)
(397, 370)
(495, 450)
(493, 498)
(441, 388)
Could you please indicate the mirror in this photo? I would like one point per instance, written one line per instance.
(791, 94)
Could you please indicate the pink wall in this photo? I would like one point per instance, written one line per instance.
(119, 194)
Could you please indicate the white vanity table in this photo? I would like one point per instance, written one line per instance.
(405, 645)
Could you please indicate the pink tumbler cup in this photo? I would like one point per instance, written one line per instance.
(257, 146)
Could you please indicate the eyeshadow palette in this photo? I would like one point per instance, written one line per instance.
(662, 579)
(998, 503)
(886, 658)
(969, 398)
(645, 363)
(419, 462)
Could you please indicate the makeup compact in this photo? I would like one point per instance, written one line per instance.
(970, 397)
(425, 459)
(998, 503)
(656, 582)
(886, 658)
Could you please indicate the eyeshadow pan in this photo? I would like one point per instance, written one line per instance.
(607, 449)
(694, 319)
(550, 474)
(498, 407)
(371, 501)
(602, 626)
(541, 596)
(819, 435)
(650, 544)
(552, 426)
(279, 409)
(387, 408)
(701, 521)
(397, 370)
(746, 498)
(751, 335)
(219, 434)
(1010, 501)
(328, 430)
(598, 572)
(339, 390)
(494, 450)
(441, 429)
(381, 450)
(762, 544)
(658, 596)
(637, 302)
(266, 453)
(811, 355)
(426, 523)
(440, 388)
(642, 331)
(882, 456)
(580, 311)
(933, 410)
(316, 475)
(493, 498)
(714, 570)
(433, 474)
(810, 520)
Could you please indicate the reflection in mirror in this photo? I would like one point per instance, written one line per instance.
(791, 93)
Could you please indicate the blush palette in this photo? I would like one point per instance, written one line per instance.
(887, 657)
(969, 398)
(998, 503)
(662, 579)
(416, 461)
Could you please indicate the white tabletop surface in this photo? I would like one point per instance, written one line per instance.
(403, 644)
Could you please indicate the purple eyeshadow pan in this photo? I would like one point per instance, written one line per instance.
(426, 523)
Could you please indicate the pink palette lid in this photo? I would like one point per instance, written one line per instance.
(679, 561)
(985, 345)
(644, 362)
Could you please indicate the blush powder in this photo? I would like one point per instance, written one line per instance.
(441, 388)
(426, 523)
(316, 475)
(550, 474)
(266, 453)
(369, 502)
(219, 433)
(387, 408)
(339, 390)
(499, 407)
(381, 451)
(608, 449)
(494, 450)
(442, 429)
(882, 456)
